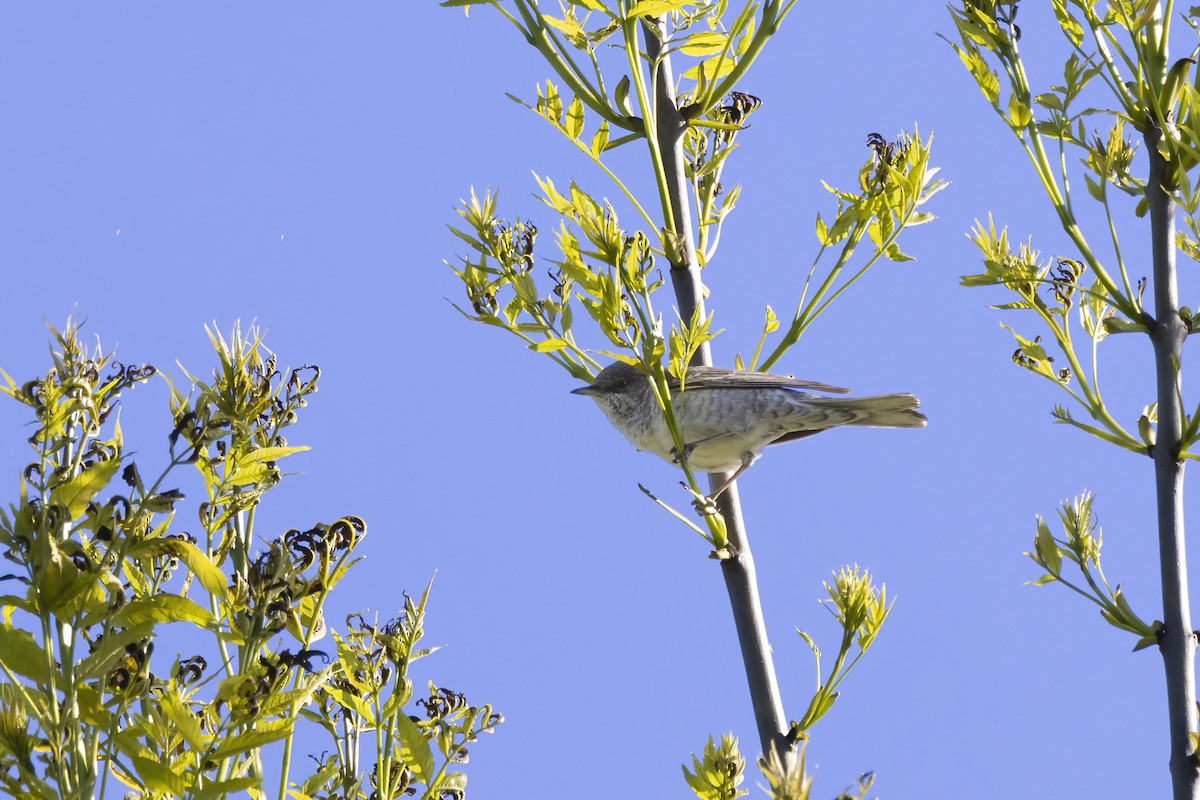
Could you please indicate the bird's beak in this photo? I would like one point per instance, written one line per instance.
(587, 391)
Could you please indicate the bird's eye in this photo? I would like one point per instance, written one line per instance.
(622, 385)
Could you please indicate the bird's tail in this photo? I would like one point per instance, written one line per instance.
(881, 411)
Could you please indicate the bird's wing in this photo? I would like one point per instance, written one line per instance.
(716, 378)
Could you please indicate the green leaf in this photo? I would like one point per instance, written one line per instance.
(1070, 26)
(1019, 114)
(453, 782)
(210, 577)
(988, 81)
(1145, 430)
(1051, 129)
(220, 790)
(1047, 548)
(158, 778)
(654, 8)
(164, 608)
(80, 490)
(705, 43)
(417, 754)
(823, 232)
(282, 703)
(552, 197)
(549, 345)
(621, 96)
(272, 453)
(978, 280)
(1118, 325)
(574, 121)
(1126, 610)
(182, 718)
(20, 653)
(893, 253)
(263, 734)
(1049, 100)
(257, 472)
(569, 26)
(352, 701)
(1175, 82)
(716, 67)
(600, 140)
(108, 649)
(1147, 641)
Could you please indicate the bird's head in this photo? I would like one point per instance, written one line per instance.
(623, 394)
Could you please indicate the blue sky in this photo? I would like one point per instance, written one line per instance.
(167, 166)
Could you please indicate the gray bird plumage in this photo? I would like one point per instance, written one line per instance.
(726, 418)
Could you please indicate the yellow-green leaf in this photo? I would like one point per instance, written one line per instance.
(988, 81)
(159, 778)
(705, 43)
(263, 734)
(109, 649)
(220, 790)
(574, 121)
(569, 26)
(210, 577)
(1019, 114)
(712, 69)
(1070, 26)
(1046, 548)
(21, 654)
(258, 472)
(600, 140)
(415, 748)
(621, 96)
(352, 701)
(183, 719)
(164, 608)
(548, 345)
(80, 490)
(654, 8)
(272, 453)
(453, 782)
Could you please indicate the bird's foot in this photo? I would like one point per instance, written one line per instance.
(705, 506)
(678, 458)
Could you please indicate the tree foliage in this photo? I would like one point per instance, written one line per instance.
(105, 568)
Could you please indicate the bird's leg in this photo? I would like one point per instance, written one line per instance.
(690, 447)
(747, 460)
(682, 457)
(710, 501)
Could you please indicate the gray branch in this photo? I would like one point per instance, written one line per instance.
(1177, 642)
(738, 570)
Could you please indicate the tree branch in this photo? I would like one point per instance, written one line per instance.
(737, 569)
(1177, 642)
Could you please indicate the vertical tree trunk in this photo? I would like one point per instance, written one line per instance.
(738, 569)
(1178, 642)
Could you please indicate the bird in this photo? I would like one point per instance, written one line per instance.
(726, 417)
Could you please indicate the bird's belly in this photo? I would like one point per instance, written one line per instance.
(720, 455)
(657, 440)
